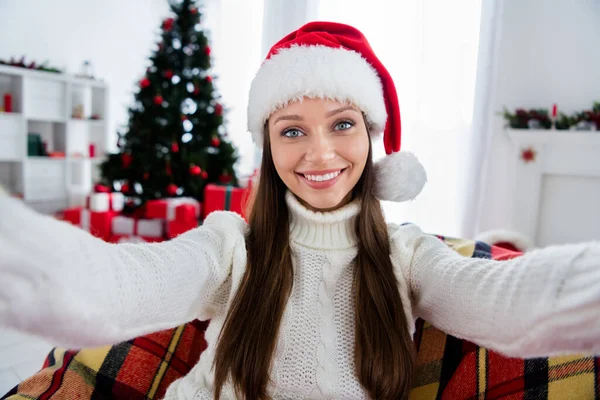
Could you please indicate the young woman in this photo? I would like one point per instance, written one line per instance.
(316, 296)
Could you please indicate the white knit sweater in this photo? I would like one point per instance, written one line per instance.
(59, 282)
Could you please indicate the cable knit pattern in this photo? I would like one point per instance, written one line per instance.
(63, 284)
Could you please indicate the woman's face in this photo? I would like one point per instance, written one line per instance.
(320, 148)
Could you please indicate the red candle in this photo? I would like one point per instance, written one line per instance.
(92, 150)
(554, 111)
(7, 102)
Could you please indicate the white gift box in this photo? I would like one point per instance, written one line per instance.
(153, 228)
(103, 202)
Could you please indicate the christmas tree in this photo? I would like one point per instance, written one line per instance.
(175, 142)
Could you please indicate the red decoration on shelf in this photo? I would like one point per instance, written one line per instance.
(8, 105)
(554, 111)
(175, 147)
(168, 24)
(215, 142)
(218, 110)
(144, 83)
(172, 189)
(528, 155)
(195, 170)
(209, 79)
(158, 99)
(125, 188)
(207, 50)
(126, 160)
(92, 149)
(168, 74)
(98, 188)
(204, 174)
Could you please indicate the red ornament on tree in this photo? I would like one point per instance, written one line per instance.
(146, 176)
(125, 188)
(184, 117)
(126, 160)
(528, 155)
(168, 74)
(225, 178)
(207, 50)
(194, 10)
(204, 175)
(168, 24)
(158, 100)
(144, 83)
(175, 147)
(172, 189)
(219, 110)
(196, 90)
(215, 142)
(168, 169)
(209, 79)
(195, 170)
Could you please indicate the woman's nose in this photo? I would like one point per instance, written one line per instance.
(321, 149)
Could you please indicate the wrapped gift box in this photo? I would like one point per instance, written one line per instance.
(166, 208)
(103, 202)
(145, 228)
(185, 220)
(224, 198)
(97, 223)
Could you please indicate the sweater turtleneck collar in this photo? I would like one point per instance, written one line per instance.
(322, 230)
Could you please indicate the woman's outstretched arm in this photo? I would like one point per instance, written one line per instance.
(60, 282)
(543, 303)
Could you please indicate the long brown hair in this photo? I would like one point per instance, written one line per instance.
(384, 352)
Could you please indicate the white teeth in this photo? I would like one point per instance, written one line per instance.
(321, 178)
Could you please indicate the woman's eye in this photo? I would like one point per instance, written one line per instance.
(292, 133)
(344, 125)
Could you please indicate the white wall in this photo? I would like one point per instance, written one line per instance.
(548, 54)
(115, 35)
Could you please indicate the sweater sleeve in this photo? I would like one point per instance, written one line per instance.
(61, 283)
(543, 303)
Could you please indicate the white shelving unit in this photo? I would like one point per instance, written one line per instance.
(44, 103)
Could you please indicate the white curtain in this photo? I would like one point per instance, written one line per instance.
(430, 48)
(480, 140)
(235, 29)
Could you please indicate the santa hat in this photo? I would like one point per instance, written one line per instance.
(335, 61)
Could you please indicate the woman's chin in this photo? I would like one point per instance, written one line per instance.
(324, 202)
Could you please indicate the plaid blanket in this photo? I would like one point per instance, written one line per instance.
(447, 367)
(450, 368)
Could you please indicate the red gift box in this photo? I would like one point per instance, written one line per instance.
(166, 208)
(225, 198)
(185, 220)
(97, 223)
